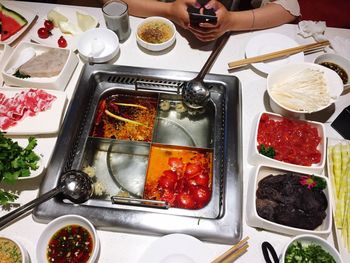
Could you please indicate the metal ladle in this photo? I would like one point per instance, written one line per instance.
(195, 94)
(75, 185)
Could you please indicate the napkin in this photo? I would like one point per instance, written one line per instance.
(313, 29)
(339, 45)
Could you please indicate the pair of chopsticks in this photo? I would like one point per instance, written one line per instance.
(278, 54)
(234, 252)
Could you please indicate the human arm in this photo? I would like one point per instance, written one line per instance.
(267, 16)
(175, 11)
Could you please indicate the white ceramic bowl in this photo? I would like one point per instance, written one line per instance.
(160, 46)
(312, 239)
(336, 59)
(333, 83)
(98, 45)
(24, 253)
(254, 220)
(256, 158)
(58, 82)
(58, 224)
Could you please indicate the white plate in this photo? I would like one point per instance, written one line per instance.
(46, 122)
(26, 13)
(72, 40)
(270, 42)
(176, 248)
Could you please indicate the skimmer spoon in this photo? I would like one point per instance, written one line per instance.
(195, 93)
(75, 185)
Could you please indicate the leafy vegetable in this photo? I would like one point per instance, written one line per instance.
(299, 252)
(18, 74)
(267, 151)
(15, 162)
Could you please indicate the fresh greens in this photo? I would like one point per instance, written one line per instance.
(18, 74)
(311, 253)
(267, 151)
(15, 162)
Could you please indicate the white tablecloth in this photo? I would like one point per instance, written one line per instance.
(189, 56)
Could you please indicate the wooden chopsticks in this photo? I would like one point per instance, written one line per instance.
(278, 54)
(233, 253)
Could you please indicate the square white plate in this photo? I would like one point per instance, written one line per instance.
(72, 40)
(46, 122)
(26, 13)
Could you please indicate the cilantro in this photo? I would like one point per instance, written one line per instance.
(15, 162)
(298, 252)
(269, 151)
(18, 74)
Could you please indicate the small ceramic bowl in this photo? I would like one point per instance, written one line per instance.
(343, 63)
(7, 242)
(333, 83)
(156, 33)
(62, 222)
(311, 239)
(98, 45)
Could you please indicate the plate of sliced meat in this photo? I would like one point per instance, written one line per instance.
(31, 111)
(14, 21)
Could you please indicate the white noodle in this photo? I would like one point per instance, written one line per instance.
(306, 90)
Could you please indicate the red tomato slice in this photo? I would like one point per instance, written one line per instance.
(201, 195)
(202, 179)
(176, 164)
(167, 180)
(193, 169)
(185, 200)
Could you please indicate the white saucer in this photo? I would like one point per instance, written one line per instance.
(270, 42)
(175, 248)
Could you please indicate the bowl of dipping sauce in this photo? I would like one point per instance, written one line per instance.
(12, 251)
(156, 33)
(71, 238)
(336, 63)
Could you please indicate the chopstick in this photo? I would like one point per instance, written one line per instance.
(277, 54)
(233, 253)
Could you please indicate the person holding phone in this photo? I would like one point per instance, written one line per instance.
(265, 14)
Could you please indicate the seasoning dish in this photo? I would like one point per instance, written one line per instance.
(301, 88)
(98, 45)
(156, 33)
(11, 250)
(307, 240)
(55, 228)
(339, 64)
(288, 156)
(54, 78)
(281, 221)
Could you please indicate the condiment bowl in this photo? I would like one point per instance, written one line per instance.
(156, 33)
(61, 222)
(255, 157)
(338, 60)
(255, 220)
(312, 239)
(98, 45)
(297, 105)
(9, 244)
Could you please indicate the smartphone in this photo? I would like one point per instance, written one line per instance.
(196, 18)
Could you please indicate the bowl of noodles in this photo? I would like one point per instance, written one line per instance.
(302, 88)
(156, 33)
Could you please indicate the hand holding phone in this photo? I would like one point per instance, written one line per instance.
(208, 15)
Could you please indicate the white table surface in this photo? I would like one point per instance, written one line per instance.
(188, 55)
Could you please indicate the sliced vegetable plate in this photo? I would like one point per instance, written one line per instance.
(15, 21)
(338, 164)
(65, 36)
(43, 122)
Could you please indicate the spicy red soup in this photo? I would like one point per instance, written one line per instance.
(70, 244)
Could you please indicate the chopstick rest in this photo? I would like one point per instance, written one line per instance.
(233, 253)
(278, 54)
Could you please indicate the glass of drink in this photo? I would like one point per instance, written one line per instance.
(115, 13)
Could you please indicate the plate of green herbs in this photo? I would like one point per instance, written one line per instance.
(18, 161)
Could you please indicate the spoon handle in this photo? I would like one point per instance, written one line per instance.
(4, 220)
(220, 43)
